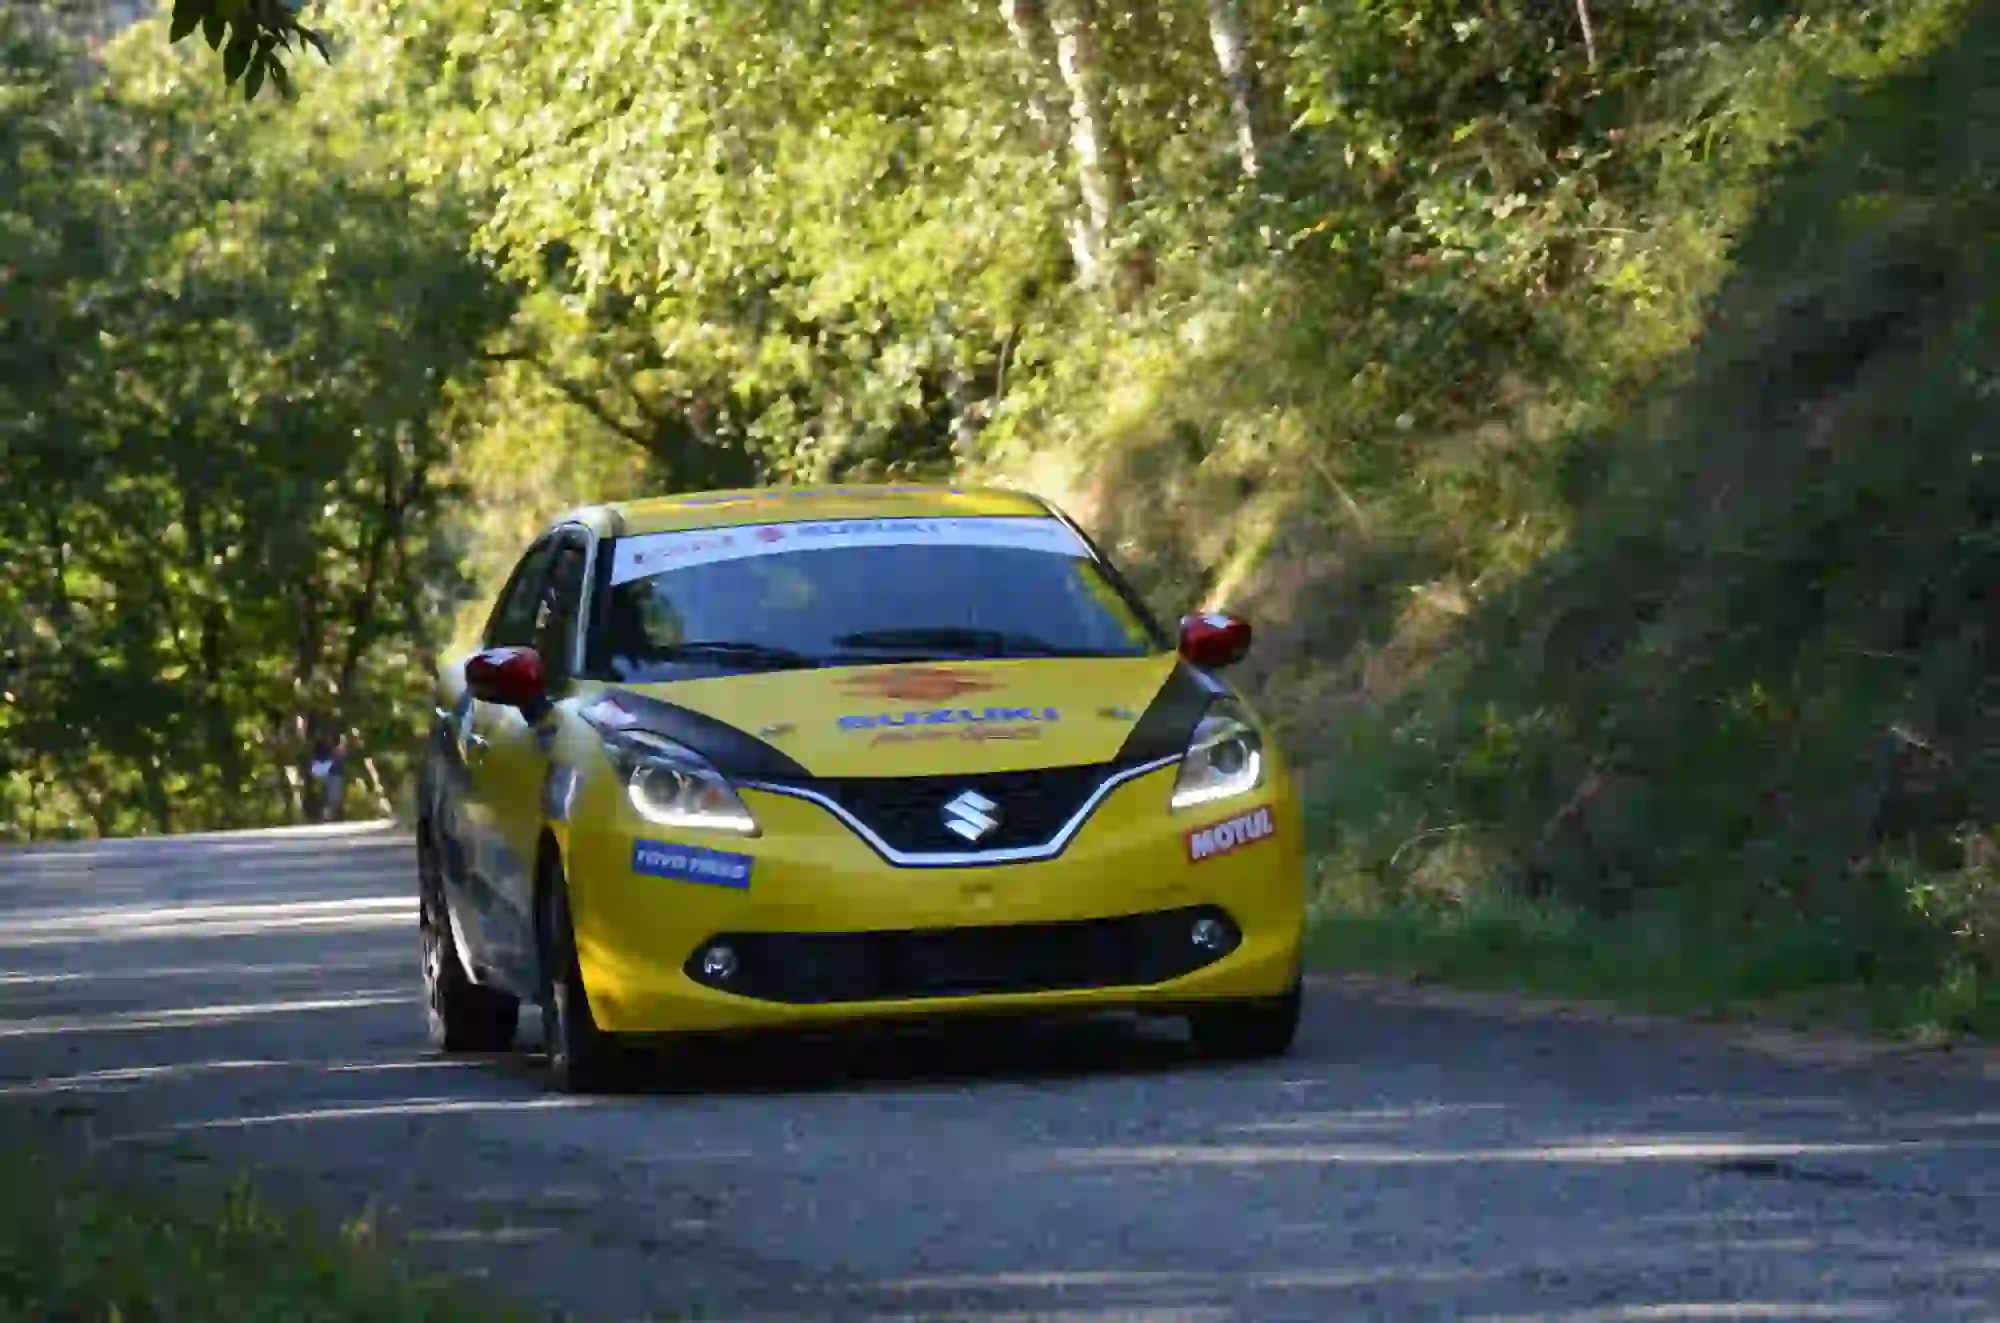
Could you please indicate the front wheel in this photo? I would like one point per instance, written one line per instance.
(582, 1057)
(461, 1015)
(1249, 1030)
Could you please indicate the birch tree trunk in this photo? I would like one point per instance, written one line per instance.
(1100, 167)
(1029, 28)
(1239, 76)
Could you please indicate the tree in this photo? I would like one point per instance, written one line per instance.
(220, 392)
(253, 36)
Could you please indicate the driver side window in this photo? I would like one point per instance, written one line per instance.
(556, 611)
(513, 622)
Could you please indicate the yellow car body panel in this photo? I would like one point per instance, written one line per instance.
(810, 874)
(777, 505)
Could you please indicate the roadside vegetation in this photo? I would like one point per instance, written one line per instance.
(82, 1244)
(1736, 742)
(1591, 403)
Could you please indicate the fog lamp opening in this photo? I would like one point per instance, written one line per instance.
(1213, 936)
(718, 963)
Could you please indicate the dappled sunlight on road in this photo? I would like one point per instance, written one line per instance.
(211, 844)
(401, 1108)
(94, 1080)
(1631, 1150)
(198, 1017)
(258, 1002)
(494, 1236)
(229, 970)
(1737, 1311)
(1156, 1313)
(135, 923)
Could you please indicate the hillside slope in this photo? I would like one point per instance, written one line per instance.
(1742, 733)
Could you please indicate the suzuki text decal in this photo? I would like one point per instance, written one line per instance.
(650, 553)
(965, 722)
(691, 863)
(1229, 835)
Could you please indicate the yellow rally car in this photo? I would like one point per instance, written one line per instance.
(806, 756)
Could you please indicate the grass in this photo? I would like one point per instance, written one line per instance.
(82, 1242)
(1793, 974)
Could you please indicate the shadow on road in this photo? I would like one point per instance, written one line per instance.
(255, 1001)
(779, 1063)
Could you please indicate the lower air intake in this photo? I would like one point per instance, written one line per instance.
(818, 968)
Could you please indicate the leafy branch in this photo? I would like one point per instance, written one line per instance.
(250, 34)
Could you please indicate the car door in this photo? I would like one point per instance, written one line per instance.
(473, 819)
(511, 766)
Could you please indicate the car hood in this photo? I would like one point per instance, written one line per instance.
(932, 718)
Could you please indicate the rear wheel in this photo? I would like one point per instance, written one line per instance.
(1249, 1030)
(461, 1015)
(582, 1057)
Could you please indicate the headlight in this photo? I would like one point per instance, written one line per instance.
(1224, 759)
(672, 785)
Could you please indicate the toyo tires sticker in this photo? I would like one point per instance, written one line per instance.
(692, 863)
(1230, 835)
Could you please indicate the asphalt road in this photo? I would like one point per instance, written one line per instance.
(253, 998)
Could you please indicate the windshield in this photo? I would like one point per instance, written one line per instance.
(854, 592)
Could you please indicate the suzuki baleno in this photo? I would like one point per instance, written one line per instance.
(798, 757)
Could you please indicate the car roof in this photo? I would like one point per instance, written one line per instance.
(778, 505)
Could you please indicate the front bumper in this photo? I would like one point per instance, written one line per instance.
(823, 930)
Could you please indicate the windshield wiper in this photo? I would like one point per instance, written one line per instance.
(988, 642)
(762, 655)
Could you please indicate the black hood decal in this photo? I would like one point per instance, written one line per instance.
(734, 753)
(1165, 727)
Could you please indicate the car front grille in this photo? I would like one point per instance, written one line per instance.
(818, 968)
(908, 813)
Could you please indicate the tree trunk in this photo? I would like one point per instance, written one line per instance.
(1239, 75)
(1589, 33)
(1033, 39)
(1030, 33)
(153, 779)
(274, 749)
(1100, 167)
(215, 649)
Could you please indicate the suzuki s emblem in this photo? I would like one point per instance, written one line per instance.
(972, 816)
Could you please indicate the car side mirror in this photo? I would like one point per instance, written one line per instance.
(1213, 639)
(510, 677)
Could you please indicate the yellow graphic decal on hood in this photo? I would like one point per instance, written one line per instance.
(915, 720)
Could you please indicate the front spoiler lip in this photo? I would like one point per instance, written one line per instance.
(1028, 854)
(943, 1015)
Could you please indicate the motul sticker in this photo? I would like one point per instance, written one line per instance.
(1230, 835)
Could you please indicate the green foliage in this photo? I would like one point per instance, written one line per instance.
(253, 37)
(225, 344)
(773, 242)
(81, 1243)
(1755, 687)
(1788, 969)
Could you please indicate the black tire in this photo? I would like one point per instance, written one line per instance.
(582, 1057)
(1249, 1030)
(461, 1015)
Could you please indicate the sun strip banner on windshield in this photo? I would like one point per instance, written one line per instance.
(651, 553)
